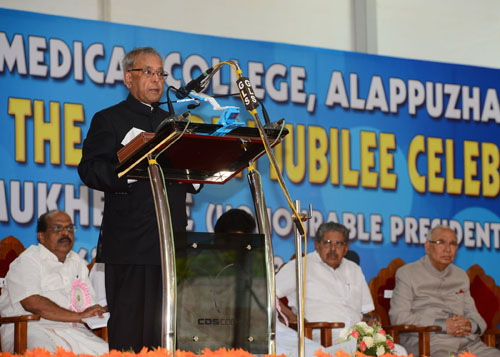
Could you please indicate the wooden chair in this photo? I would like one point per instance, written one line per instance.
(381, 288)
(325, 330)
(486, 295)
(10, 248)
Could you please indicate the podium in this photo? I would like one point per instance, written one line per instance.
(187, 152)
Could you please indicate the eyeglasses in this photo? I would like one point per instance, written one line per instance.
(441, 242)
(58, 229)
(149, 73)
(336, 244)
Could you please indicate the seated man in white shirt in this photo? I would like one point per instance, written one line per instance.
(336, 288)
(51, 280)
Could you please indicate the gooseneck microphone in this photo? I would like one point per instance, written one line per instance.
(194, 84)
(172, 118)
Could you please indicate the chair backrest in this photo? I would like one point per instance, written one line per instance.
(10, 248)
(486, 295)
(381, 288)
(91, 264)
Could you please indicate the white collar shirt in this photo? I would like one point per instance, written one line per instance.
(37, 271)
(333, 295)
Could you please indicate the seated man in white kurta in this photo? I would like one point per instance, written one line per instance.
(51, 280)
(336, 289)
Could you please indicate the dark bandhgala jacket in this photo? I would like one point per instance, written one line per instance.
(129, 231)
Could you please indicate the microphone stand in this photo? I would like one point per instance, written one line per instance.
(251, 103)
(169, 101)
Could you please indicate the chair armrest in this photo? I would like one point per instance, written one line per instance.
(101, 332)
(20, 318)
(490, 336)
(325, 330)
(324, 324)
(495, 332)
(319, 325)
(20, 330)
(400, 328)
(424, 335)
(432, 328)
(424, 338)
(395, 330)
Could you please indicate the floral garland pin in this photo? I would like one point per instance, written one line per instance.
(80, 297)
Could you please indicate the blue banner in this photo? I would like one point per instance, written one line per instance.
(389, 147)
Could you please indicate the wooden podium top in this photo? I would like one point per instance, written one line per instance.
(196, 156)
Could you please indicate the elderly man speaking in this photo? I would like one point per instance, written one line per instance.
(51, 280)
(433, 291)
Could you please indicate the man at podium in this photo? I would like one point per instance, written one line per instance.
(129, 239)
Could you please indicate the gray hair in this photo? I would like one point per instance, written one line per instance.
(334, 227)
(130, 58)
(438, 228)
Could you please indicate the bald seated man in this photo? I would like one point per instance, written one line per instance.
(51, 280)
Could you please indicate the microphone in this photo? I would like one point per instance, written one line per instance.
(194, 84)
(172, 119)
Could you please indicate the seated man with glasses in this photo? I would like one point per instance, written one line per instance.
(336, 289)
(51, 280)
(433, 291)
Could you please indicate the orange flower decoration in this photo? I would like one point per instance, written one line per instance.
(341, 353)
(466, 354)
(320, 353)
(38, 352)
(162, 352)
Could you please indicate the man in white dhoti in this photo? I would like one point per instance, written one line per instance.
(51, 280)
